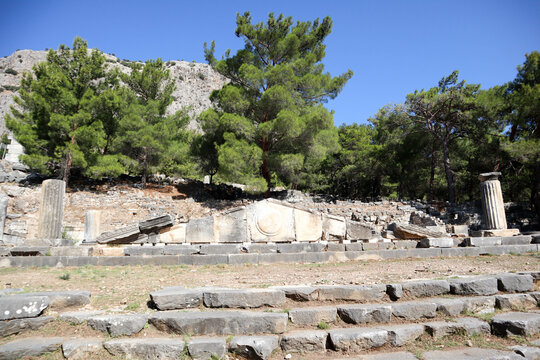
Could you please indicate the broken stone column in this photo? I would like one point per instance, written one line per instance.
(3, 213)
(91, 226)
(493, 216)
(51, 213)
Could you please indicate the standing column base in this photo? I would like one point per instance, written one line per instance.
(495, 232)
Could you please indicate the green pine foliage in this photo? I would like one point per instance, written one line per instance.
(268, 122)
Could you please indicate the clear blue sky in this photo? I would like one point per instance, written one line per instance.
(393, 47)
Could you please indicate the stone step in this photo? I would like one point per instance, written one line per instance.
(271, 329)
(176, 298)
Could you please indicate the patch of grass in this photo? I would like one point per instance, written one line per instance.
(262, 286)
(323, 325)
(486, 317)
(132, 306)
(65, 276)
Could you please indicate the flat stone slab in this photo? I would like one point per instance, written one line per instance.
(29, 250)
(19, 306)
(410, 231)
(156, 224)
(442, 242)
(479, 304)
(414, 310)
(304, 341)
(174, 298)
(80, 349)
(515, 302)
(63, 299)
(220, 322)
(470, 354)
(516, 240)
(476, 285)
(146, 348)
(313, 315)
(357, 339)
(117, 325)
(299, 293)
(16, 326)
(470, 326)
(34, 346)
(124, 235)
(482, 241)
(254, 347)
(399, 335)
(450, 307)
(78, 317)
(426, 288)
(515, 282)
(516, 323)
(245, 298)
(360, 293)
(207, 348)
(365, 314)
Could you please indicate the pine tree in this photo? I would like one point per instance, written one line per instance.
(268, 124)
(57, 124)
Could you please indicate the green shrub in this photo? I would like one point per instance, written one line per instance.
(11, 71)
(65, 276)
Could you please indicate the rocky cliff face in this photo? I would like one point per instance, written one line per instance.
(194, 83)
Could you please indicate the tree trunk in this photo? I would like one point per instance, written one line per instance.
(67, 167)
(449, 173)
(535, 191)
(432, 173)
(264, 168)
(145, 169)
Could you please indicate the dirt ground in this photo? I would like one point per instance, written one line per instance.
(129, 286)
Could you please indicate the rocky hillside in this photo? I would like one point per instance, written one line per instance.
(194, 81)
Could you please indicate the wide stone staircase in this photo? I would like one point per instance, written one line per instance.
(477, 317)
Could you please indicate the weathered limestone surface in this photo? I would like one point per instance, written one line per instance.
(156, 224)
(334, 227)
(479, 304)
(360, 231)
(515, 282)
(206, 348)
(493, 216)
(313, 315)
(470, 354)
(231, 227)
(516, 323)
(299, 293)
(219, 322)
(200, 230)
(254, 347)
(308, 225)
(124, 235)
(361, 293)
(425, 288)
(475, 285)
(92, 226)
(174, 298)
(450, 307)
(15, 326)
(515, 301)
(175, 234)
(51, 212)
(270, 221)
(357, 339)
(3, 213)
(363, 314)
(306, 341)
(146, 349)
(19, 306)
(410, 231)
(34, 346)
(414, 310)
(78, 317)
(81, 349)
(63, 299)
(117, 325)
(245, 298)
(469, 326)
(442, 242)
(400, 335)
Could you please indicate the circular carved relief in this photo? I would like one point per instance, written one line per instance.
(268, 221)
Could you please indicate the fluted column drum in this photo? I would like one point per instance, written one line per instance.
(91, 226)
(51, 213)
(493, 216)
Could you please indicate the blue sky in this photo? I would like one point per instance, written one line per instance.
(393, 47)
